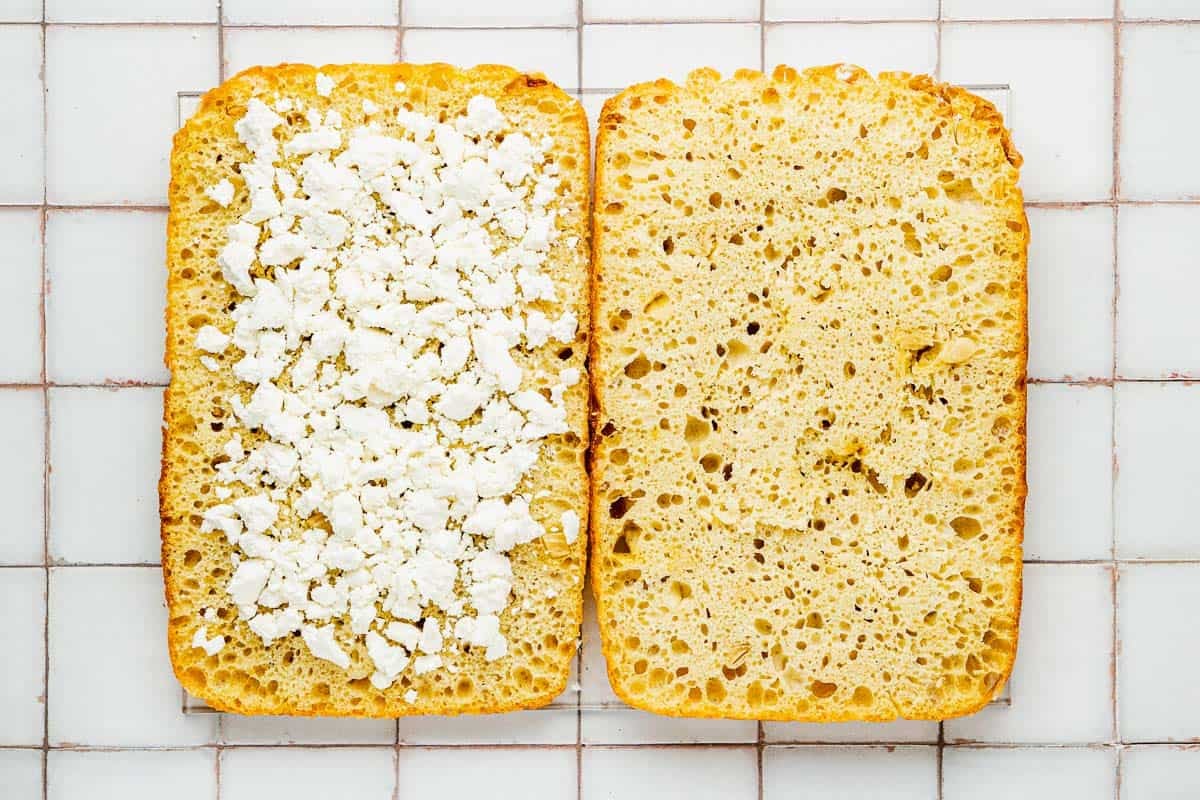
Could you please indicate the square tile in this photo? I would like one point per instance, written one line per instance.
(1065, 136)
(110, 679)
(131, 11)
(249, 47)
(299, 773)
(1068, 514)
(494, 774)
(487, 14)
(553, 52)
(22, 470)
(311, 12)
(21, 145)
(21, 295)
(21, 11)
(678, 773)
(1160, 772)
(1159, 9)
(668, 10)
(238, 729)
(1156, 321)
(970, 773)
(615, 56)
(1066, 619)
(1157, 433)
(1027, 9)
(908, 46)
(593, 104)
(97, 83)
(850, 773)
(105, 453)
(21, 773)
(1159, 160)
(1070, 293)
(178, 774)
(1158, 652)
(904, 730)
(822, 10)
(105, 295)
(22, 659)
(606, 720)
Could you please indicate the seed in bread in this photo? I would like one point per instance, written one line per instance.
(808, 360)
(376, 419)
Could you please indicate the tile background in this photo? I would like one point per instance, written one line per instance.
(1103, 703)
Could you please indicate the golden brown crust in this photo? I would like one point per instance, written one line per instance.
(279, 679)
(983, 121)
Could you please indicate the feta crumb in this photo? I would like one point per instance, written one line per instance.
(210, 363)
(209, 646)
(211, 340)
(401, 87)
(410, 696)
(368, 107)
(324, 84)
(570, 525)
(221, 192)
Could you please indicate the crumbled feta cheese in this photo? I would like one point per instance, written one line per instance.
(210, 363)
(209, 646)
(385, 283)
(221, 192)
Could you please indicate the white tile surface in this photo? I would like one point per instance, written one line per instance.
(916, 731)
(1068, 514)
(850, 773)
(21, 11)
(1157, 323)
(98, 83)
(131, 11)
(1066, 619)
(110, 679)
(1159, 160)
(22, 658)
(485, 13)
(21, 773)
(1070, 293)
(668, 10)
(249, 47)
(608, 721)
(20, 295)
(21, 146)
(237, 729)
(308, 774)
(132, 775)
(670, 773)
(105, 452)
(557, 725)
(22, 467)
(311, 12)
(1027, 9)
(1028, 773)
(1156, 425)
(1159, 9)
(116, 255)
(1160, 773)
(1065, 136)
(494, 774)
(907, 46)
(1158, 652)
(849, 10)
(550, 51)
(615, 56)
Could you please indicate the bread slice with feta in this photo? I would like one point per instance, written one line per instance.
(808, 362)
(373, 464)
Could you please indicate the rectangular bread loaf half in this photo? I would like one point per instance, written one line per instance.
(373, 476)
(808, 362)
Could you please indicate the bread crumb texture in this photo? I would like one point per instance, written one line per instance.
(808, 355)
(542, 617)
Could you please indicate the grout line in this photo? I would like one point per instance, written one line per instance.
(762, 57)
(399, 59)
(43, 218)
(941, 751)
(759, 747)
(937, 35)
(220, 64)
(1116, 194)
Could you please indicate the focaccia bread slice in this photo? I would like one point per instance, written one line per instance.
(808, 362)
(265, 577)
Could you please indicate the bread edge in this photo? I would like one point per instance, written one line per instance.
(980, 109)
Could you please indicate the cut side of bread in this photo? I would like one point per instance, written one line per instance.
(808, 362)
(543, 613)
